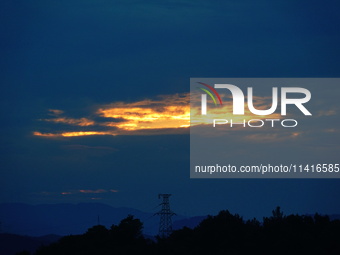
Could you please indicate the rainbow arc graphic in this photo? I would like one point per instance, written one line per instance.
(212, 93)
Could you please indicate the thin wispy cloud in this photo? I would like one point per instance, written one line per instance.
(75, 195)
(71, 134)
(70, 121)
(55, 112)
(79, 191)
(326, 113)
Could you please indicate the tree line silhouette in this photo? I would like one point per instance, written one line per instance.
(224, 233)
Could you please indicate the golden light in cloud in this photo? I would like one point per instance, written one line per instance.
(167, 113)
(137, 118)
(81, 133)
(148, 117)
(44, 134)
(226, 112)
(77, 122)
(71, 134)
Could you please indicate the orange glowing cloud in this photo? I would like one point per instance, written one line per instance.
(71, 134)
(55, 112)
(168, 114)
(77, 122)
(136, 118)
(172, 111)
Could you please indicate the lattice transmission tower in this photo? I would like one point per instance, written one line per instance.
(165, 222)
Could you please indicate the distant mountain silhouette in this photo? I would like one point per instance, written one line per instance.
(66, 219)
(10, 244)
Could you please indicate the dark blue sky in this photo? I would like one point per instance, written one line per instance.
(75, 56)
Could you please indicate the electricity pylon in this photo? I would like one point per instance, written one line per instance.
(165, 223)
